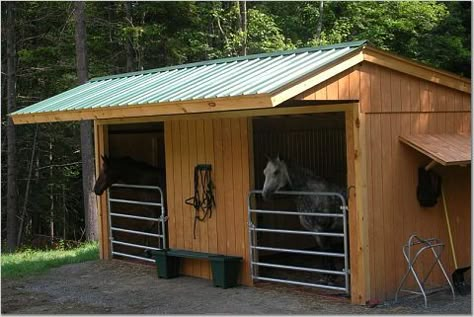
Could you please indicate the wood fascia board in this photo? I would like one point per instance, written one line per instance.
(240, 113)
(413, 68)
(161, 109)
(294, 89)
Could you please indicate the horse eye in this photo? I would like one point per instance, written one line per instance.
(276, 172)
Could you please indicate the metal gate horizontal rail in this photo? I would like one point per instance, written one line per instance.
(133, 256)
(114, 214)
(137, 232)
(298, 268)
(134, 202)
(308, 233)
(134, 245)
(253, 229)
(161, 220)
(341, 255)
(292, 213)
(270, 279)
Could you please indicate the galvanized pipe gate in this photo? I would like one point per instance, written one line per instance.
(255, 245)
(161, 220)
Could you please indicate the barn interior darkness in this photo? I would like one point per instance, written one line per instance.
(143, 143)
(313, 141)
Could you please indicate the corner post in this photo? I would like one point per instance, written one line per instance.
(101, 148)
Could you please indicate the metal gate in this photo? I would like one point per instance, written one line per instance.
(160, 234)
(255, 246)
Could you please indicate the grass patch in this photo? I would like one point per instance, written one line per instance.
(29, 262)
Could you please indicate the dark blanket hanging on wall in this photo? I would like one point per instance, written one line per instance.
(429, 187)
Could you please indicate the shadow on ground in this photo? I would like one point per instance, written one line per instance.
(118, 287)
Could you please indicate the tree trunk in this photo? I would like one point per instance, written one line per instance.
(51, 192)
(243, 26)
(319, 27)
(88, 175)
(12, 221)
(128, 45)
(27, 190)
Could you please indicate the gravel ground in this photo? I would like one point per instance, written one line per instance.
(118, 287)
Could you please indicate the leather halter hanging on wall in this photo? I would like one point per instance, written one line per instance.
(202, 200)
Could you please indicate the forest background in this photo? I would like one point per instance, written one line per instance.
(124, 36)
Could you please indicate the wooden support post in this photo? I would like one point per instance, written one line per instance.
(101, 148)
(358, 226)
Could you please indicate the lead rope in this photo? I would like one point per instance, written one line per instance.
(204, 200)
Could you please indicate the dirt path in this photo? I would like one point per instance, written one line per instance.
(118, 287)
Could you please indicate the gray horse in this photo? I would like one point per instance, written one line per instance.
(279, 176)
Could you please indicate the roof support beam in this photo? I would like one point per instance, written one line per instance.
(162, 109)
(430, 165)
(303, 108)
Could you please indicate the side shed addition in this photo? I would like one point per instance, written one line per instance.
(342, 109)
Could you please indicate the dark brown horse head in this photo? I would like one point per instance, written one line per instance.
(109, 174)
(128, 171)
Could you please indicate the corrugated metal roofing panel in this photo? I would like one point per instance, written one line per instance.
(229, 77)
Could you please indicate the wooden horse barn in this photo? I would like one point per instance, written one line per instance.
(354, 114)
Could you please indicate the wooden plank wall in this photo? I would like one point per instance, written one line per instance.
(393, 103)
(224, 143)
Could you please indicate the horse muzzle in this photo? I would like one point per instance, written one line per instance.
(267, 195)
(98, 191)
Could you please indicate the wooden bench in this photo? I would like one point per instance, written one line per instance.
(225, 268)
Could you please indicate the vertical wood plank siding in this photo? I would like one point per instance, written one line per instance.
(224, 144)
(395, 103)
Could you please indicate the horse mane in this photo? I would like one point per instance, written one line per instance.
(132, 162)
(139, 172)
(299, 177)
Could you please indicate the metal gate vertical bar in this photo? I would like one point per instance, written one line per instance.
(255, 263)
(163, 218)
(109, 206)
(162, 241)
(344, 209)
(251, 238)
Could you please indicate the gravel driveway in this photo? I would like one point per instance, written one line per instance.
(118, 287)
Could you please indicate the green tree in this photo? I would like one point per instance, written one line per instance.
(127, 36)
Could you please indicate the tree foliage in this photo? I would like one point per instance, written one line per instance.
(123, 36)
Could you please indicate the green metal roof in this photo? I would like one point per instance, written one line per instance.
(229, 77)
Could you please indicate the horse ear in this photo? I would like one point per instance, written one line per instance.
(278, 157)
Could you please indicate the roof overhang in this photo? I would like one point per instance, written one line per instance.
(160, 109)
(271, 99)
(257, 101)
(445, 149)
